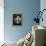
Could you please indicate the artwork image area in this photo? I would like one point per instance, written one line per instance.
(17, 19)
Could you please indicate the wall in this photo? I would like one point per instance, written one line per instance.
(28, 9)
(1, 20)
(43, 6)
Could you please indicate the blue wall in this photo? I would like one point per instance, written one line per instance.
(28, 9)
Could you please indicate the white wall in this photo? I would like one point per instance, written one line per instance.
(43, 6)
(1, 20)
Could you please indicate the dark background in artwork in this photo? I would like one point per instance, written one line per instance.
(20, 21)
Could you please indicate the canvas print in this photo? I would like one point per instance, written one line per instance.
(17, 19)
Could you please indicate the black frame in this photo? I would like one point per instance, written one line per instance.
(17, 19)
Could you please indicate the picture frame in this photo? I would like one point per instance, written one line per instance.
(17, 19)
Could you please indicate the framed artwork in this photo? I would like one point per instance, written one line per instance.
(17, 19)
